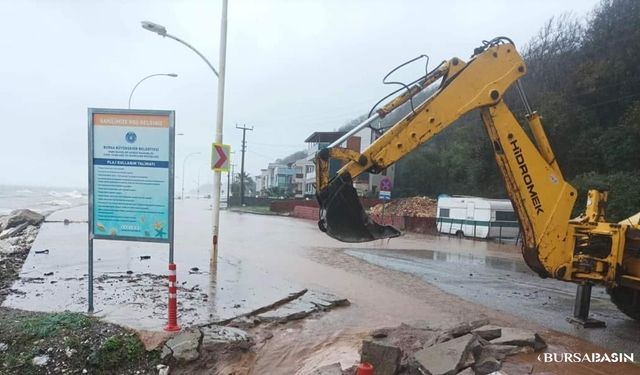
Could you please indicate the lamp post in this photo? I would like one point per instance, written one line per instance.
(184, 164)
(172, 75)
(162, 31)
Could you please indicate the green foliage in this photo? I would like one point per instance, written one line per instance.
(117, 351)
(624, 192)
(49, 325)
(584, 78)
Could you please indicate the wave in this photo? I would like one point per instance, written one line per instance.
(57, 202)
(66, 194)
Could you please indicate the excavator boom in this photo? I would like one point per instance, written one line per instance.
(586, 249)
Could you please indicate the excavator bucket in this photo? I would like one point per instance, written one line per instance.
(343, 218)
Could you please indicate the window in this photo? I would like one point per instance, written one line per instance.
(506, 216)
(444, 212)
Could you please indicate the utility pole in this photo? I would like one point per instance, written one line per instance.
(229, 174)
(244, 148)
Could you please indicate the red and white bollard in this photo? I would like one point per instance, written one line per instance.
(172, 324)
(364, 368)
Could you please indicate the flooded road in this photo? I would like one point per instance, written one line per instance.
(262, 258)
(509, 285)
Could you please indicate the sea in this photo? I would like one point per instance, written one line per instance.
(39, 198)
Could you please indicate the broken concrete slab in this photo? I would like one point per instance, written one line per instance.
(215, 337)
(463, 328)
(501, 351)
(446, 358)
(488, 332)
(520, 337)
(467, 371)
(384, 358)
(334, 369)
(486, 364)
(183, 347)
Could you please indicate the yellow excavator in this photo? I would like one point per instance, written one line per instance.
(586, 250)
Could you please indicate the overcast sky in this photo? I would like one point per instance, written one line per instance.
(293, 67)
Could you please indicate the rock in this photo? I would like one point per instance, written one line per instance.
(6, 247)
(13, 231)
(334, 369)
(488, 332)
(467, 371)
(3, 347)
(445, 358)
(19, 217)
(183, 347)
(84, 371)
(520, 337)
(215, 337)
(40, 360)
(163, 369)
(486, 364)
(70, 352)
(384, 358)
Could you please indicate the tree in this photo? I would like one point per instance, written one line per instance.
(249, 185)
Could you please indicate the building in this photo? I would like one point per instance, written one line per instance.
(365, 184)
(277, 177)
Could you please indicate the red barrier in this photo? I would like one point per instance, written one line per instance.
(172, 324)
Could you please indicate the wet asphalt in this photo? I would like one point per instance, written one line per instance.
(508, 285)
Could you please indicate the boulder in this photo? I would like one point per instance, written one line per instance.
(334, 369)
(384, 358)
(467, 371)
(488, 332)
(183, 347)
(520, 337)
(445, 358)
(216, 337)
(19, 217)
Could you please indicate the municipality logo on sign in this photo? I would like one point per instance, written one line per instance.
(131, 137)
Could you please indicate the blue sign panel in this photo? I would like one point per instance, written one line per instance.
(131, 175)
(384, 195)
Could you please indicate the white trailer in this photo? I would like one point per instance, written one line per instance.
(477, 217)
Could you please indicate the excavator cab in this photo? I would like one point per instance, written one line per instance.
(343, 217)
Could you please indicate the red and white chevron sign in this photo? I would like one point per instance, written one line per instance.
(220, 157)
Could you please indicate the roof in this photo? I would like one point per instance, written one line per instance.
(317, 137)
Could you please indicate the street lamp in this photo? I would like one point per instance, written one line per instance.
(184, 163)
(172, 75)
(162, 31)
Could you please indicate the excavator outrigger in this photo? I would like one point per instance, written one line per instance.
(586, 250)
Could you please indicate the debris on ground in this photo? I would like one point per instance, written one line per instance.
(467, 348)
(414, 206)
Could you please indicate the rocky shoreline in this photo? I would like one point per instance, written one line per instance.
(18, 231)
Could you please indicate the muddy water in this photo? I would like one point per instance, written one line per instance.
(263, 258)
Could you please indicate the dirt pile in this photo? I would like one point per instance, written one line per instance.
(414, 206)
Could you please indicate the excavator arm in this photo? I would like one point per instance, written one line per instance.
(586, 249)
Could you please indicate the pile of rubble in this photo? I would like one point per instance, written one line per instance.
(470, 348)
(414, 206)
